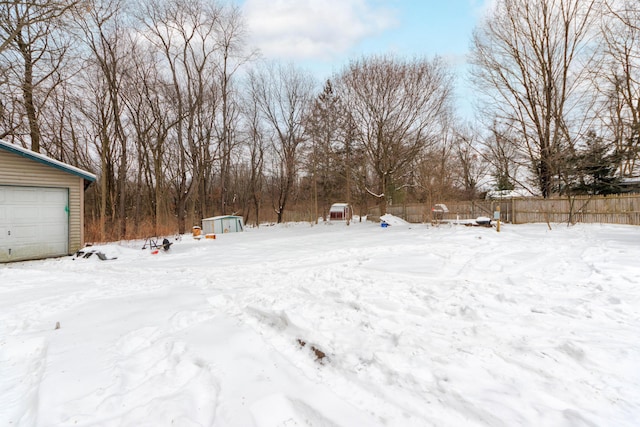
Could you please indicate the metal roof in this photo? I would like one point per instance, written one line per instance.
(221, 217)
(48, 161)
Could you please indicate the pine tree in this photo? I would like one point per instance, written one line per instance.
(594, 168)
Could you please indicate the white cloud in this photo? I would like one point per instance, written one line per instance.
(483, 8)
(302, 29)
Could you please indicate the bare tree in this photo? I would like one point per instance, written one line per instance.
(11, 111)
(527, 60)
(97, 118)
(184, 35)
(103, 31)
(149, 108)
(471, 167)
(395, 106)
(283, 94)
(620, 79)
(18, 15)
(434, 171)
(231, 40)
(255, 145)
(501, 151)
(34, 46)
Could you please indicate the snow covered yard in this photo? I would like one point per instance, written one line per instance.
(328, 325)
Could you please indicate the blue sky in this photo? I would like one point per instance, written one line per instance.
(323, 35)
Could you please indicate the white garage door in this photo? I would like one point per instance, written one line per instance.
(34, 222)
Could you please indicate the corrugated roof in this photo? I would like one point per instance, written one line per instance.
(41, 158)
(221, 216)
(338, 206)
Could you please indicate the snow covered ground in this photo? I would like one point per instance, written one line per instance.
(330, 325)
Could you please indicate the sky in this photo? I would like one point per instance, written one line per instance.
(323, 35)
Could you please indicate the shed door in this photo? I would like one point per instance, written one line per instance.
(34, 222)
(229, 225)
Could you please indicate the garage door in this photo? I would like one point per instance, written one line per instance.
(34, 222)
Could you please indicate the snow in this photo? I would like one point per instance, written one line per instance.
(401, 326)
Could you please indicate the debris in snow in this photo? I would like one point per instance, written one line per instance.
(57, 325)
(320, 355)
(84, 254)
(392, 220)
(105, 252)
(483, 221)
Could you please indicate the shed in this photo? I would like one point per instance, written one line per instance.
(340, 212)
(222, 224)
(41, 205)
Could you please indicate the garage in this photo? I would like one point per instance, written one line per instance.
(34, 221)
(41, 205)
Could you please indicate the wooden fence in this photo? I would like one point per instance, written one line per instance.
(613, 209)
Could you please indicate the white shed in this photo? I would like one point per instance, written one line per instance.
(222, 224)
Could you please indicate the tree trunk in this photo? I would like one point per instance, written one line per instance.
(27, 93)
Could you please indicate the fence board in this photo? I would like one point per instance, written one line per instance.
(612, 209)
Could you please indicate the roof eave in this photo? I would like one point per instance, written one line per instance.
(42, 159)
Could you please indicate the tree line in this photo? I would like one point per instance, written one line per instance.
(180, 119)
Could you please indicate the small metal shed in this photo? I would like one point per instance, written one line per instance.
(340, 212)
(222, 224)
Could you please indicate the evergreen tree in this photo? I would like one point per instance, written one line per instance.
(594, 168)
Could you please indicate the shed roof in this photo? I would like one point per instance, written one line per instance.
(41, 158)
(221, 217)
(339, 206)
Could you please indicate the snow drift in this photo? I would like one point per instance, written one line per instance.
(330, 326)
